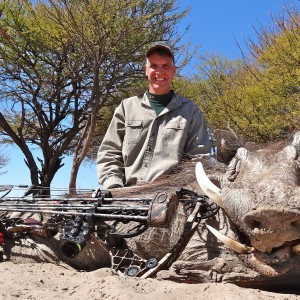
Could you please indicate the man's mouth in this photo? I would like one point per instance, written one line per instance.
(160, 79)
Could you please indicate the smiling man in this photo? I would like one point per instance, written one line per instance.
(150, 133)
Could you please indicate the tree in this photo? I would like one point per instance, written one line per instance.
(258, 95)
(212, 87)
(274, 63)
(3, 160)
(60, 62)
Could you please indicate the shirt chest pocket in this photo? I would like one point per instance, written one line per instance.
(175, 134)
(133, 131)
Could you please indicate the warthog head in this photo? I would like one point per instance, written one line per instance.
(260, 194)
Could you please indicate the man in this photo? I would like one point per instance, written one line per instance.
(149, 134)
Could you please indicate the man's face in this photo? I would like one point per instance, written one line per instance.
(160, 72)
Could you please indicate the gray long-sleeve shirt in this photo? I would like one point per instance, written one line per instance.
(140, 146)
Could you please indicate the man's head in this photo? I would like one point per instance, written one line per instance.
(160, 69)
(162, 50)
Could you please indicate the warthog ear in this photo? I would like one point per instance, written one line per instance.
(296, 142)
(227, 144)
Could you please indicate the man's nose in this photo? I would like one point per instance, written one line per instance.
(159, 70)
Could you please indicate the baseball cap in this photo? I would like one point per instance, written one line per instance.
(158, 47)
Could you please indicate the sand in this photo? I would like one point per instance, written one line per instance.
(49, 281)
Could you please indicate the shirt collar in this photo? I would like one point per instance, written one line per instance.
(174, 103)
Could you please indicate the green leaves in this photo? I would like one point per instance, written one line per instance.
(259, 96)
(61, 61)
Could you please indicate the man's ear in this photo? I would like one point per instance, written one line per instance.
(174, 70)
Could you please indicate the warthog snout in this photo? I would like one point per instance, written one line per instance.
(271, 228)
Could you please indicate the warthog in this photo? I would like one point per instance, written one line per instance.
(253, 241)
(259, 221)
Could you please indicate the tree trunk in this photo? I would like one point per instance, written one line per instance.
(82, 148)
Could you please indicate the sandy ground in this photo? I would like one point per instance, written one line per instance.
(48, 281)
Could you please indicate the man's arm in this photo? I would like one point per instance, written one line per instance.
(110, 165)
(198, 139)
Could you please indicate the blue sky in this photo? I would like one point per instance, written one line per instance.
(215, 25)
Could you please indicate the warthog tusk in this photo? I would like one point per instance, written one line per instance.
(211, 190)
(230, 243)
(296, 249)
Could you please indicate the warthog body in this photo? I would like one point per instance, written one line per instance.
(260, 197)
